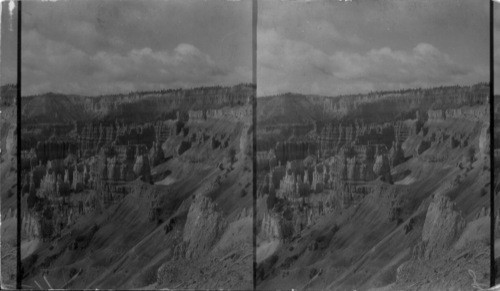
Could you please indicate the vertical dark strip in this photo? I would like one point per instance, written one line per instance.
(18, 151)
(254, 139)
(492, 151)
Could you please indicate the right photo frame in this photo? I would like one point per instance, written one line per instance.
(373, 145)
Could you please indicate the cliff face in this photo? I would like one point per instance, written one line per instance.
(357, 163)
(332, 138)
(289, 151)
(485, 140)
(443, 140)
(382, 167)
(377, 107)
(92, 137)
(476, 113)
(270, 228)
(134, 107)
(239, 113)
(45, 151)
(396, 154)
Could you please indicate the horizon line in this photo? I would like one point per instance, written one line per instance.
(166, 90)
(485, 83)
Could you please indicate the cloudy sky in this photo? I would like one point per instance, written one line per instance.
(8, 45)
(96, 47)
(496, 43)
(337, 47)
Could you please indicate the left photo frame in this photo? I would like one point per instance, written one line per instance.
(9, 242)
(136, 145)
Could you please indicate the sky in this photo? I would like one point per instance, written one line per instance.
(8, 44)
(347, 47)
(496, 46)
(89, 47)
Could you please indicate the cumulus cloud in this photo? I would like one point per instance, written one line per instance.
(48, 62)
(337, 47)
(287, 65)
(99, 47)
(496, 57)
(424, 62)
(8, 44)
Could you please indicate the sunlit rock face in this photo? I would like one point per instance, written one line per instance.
(203, 226)
(443, 224)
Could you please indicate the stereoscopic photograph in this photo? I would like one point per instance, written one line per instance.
(249, 145)
(136, 147)
(373, 145)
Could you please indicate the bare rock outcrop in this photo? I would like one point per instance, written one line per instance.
(396, 154)
(333, 138)
(31, 225)
(270, 226)
(382, 167)
(443, 224)
(484, 139)
(142, 167)
(156, 154)
(204, 224)
(358, 163)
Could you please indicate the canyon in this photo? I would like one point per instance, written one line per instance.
(8, 179)
(153, 190)
(114, 188)
(374, 191)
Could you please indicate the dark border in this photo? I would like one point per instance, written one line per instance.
(254, 141)
(18, 150)
(492, 151)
